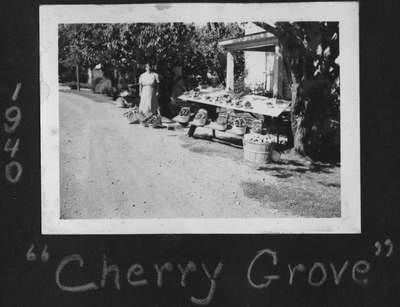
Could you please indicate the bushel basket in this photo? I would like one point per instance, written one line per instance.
(257, 152)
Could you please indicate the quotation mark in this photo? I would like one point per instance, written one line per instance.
(31, 255)
(379, 248)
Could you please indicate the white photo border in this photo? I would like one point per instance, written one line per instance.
(346, 13)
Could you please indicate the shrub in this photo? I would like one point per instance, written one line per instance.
(95, 82)
(73, 85)
(122, 85)
(103, 86)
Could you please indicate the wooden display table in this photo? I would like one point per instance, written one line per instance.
(260, 105)
(271, 107)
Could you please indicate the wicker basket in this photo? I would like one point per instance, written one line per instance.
(257, 152)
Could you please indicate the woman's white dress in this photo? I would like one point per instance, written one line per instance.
(148, 97)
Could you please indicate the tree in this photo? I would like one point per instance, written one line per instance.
(195, 47)
(206, 44)
(310, 52)
(70, 52)
(76, 47)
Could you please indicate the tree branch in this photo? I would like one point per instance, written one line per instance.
(267, 27)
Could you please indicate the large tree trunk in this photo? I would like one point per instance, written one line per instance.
(296, 120)
(293, 88)
(78, 86)
(307, 111)
(296, 133)
(314, 135)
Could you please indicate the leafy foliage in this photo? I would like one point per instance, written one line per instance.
(122, 46)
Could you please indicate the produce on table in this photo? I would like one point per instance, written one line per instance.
(248, 105)
(220, 97)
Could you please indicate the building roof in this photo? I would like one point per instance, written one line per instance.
(254, 42)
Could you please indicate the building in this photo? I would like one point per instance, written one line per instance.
(263, 62)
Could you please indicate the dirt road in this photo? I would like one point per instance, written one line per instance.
(110, 169)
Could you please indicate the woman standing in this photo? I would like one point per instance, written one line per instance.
(148, 91)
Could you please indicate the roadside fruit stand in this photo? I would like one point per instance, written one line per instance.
(263, 65)
(257, 147)
(254, 104)
(249, 103)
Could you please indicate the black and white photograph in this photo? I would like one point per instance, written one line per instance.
(155, 120)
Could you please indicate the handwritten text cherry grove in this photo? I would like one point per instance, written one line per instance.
(317, 275)
(135, 276)
(265, 261)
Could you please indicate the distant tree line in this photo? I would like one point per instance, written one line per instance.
(122, 46)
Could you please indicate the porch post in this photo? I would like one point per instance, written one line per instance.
(90, 76)
(229, 71)
(277, 82)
